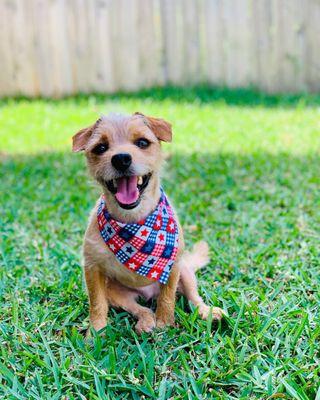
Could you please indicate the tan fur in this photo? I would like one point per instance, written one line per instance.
(109, 282)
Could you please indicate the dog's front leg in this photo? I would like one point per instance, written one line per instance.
(96, 285)
(167, 299)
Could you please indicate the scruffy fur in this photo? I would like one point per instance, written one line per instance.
(108, 282)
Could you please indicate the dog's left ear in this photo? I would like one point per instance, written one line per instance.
(161, 128)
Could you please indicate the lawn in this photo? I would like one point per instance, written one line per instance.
(243, 172)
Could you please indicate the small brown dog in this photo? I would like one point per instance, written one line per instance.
(124, 156)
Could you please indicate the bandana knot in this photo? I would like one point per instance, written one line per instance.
(148, 247)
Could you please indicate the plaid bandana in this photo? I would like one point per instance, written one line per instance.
(148, 247)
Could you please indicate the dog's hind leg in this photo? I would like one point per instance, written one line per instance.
(188, 282)
(120, 296)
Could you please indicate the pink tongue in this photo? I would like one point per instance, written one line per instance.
(127, 191)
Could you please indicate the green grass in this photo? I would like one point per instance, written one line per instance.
(243, 172)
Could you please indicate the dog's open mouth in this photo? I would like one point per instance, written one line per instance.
(128, 189)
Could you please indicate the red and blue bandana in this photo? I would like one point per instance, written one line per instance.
(148, 247)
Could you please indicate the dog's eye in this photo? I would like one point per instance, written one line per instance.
(100, 148)
(142, 143)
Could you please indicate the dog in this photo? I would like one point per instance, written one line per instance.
(124, 156)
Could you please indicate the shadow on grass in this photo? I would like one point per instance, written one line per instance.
(248, 97)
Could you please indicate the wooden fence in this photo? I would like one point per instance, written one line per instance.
(59, 47)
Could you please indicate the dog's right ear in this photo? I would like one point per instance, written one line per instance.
(80, 139)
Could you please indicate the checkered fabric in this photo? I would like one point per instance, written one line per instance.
(149, 247)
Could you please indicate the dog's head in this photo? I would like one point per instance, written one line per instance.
(124, 156)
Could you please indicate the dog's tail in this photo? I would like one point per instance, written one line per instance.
(198, 257)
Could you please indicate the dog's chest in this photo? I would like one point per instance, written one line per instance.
(141, 285)
(114, 269)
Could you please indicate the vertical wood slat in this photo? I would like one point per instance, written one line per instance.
(311, 48)
(104, 66)
(292, 60)
(6, 54)
(59, 47)
(126, 45)
(191, 38)
(171, 14)
(277, 46)
(241, 66)
(82, 61)
(148, 43)
(19, 41)
(214, 46)
(262, 28)
(43, 60)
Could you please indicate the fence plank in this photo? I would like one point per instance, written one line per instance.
(240, 64)
(191, 37)
(312, 26)
(262, 28)
(60, 52)
(43, 57)
(126, 44)
(214, 44)
(292, 62)
(150, 56)
(20, 39)
(7, 85)
(174, 45)
(104, 65)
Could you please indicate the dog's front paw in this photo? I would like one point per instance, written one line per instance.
(145, 324)
(91, 329)
(97, 325)
(164, 321)
(216, 312)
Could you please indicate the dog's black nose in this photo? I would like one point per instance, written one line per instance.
(121, 161)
